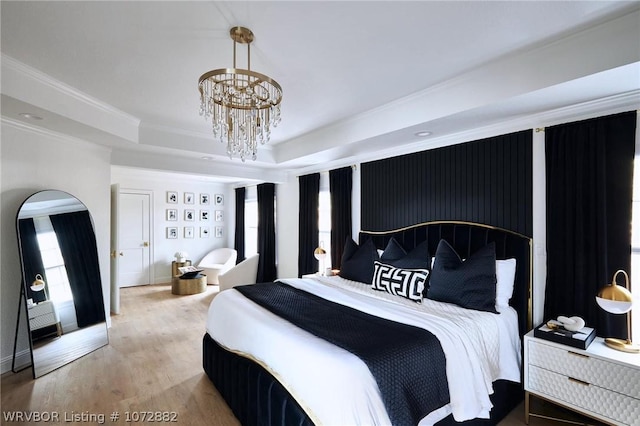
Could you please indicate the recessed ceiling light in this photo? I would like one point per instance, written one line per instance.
(206, 157)
(30, 116)
(422, 134)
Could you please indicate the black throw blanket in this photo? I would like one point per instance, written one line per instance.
(407, 362)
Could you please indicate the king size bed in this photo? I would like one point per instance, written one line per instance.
(390, 341)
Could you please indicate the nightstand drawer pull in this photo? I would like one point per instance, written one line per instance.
(577, 354)
(581, 382)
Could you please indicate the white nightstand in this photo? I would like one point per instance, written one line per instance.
(598, 382)
(43, 315)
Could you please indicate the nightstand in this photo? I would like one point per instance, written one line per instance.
(43, 315)
(598, 382)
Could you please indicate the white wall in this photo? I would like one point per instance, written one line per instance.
(33, 161)
(163, 249)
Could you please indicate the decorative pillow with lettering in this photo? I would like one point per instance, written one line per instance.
(408, 283)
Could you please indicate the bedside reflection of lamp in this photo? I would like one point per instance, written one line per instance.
(319, 253)
(616, 299)
(39, 285)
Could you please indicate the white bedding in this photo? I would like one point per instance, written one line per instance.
(334, 386)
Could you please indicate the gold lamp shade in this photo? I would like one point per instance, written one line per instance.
(319, 253)
(38, 284)
(616, 299)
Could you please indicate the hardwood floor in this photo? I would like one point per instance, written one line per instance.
(153, 363)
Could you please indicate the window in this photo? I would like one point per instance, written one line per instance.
(250, 226)
(54, 269)
(324, 227)
(635, 248)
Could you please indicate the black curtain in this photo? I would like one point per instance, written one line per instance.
(589, 172)
(308, 223)
(31, 259)
(239, 231)
(340, 183)
(267, 271)
(77, 242)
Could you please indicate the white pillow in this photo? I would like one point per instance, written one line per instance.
(505, 277)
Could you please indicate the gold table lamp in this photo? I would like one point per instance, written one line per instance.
(616, 299)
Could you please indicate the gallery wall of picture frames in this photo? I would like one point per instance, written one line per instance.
(197, 210)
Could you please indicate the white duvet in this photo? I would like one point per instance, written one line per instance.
(334, 386)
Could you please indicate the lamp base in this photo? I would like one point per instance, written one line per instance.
(622, 345)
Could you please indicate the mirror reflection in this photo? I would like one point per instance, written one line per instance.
(61, 278)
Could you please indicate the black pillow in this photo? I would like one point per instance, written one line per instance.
(357, 261)
(470, 283)
(394, 254)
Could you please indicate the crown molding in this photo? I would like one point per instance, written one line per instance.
(47, 133)
(66, 90)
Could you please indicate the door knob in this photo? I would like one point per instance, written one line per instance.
(145, 244)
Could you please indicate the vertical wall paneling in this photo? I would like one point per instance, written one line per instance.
(487, 181)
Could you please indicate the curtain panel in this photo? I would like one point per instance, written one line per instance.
(589, 186)
(309, 188)
(239, 231)
(77, 242)
(31, 259)
(340, 184)
(267, 271)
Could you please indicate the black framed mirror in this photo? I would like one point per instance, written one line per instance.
(61, 280)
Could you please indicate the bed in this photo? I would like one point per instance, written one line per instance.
(270, 371)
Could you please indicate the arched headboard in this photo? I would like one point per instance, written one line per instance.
(466, 238)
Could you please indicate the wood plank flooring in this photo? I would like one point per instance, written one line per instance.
(153, 363)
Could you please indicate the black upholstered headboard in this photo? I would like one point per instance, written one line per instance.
(466, 238)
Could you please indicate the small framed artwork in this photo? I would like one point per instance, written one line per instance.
(204, 232)
(172, 197)
(172, 214)
(189, 215)
(188, 231)
(172, 232)
(189, 198)
(204, 215)
(219, 231)
(219, 198)
(204, 199)
(219, 215)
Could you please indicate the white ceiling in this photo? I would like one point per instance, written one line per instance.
(360, 78)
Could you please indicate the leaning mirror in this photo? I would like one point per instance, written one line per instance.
(60, 280)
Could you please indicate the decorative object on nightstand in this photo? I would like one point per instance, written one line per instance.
(320, 253)
(618, 300)
(557, 331)
(181, 256)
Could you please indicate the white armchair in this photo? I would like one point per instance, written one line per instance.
(243, 273)
(216, 262)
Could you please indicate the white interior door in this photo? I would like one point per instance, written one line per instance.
(134, 244)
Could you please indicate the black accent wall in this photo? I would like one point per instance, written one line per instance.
(486, 181)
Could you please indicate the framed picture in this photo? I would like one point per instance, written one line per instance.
(172, 197)
(172, 214)
(189, 198)
(219, 215)
(172, 232)
(189, 215)
(204, 199)
(204, 232)
(219, 231)
(204, 215)
(219, 199)
(188, 231)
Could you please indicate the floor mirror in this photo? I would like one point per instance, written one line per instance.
(61, 289)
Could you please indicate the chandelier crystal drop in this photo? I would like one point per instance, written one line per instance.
(243, 105)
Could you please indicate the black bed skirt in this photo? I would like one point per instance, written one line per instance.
(257, 398)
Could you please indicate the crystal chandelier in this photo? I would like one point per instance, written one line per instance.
(243, 105)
